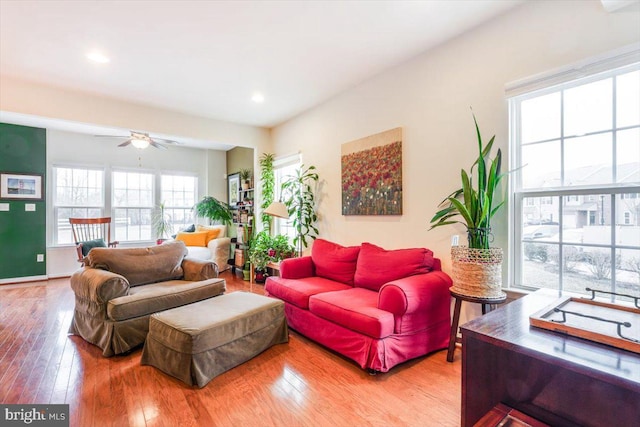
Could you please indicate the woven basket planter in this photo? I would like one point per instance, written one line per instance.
(477, 272)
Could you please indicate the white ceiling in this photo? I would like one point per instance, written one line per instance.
(207, 58)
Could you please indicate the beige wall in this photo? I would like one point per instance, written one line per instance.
(18, 96)
(429, 97)
(216, 175)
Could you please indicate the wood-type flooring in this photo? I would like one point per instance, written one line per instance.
(296, 384)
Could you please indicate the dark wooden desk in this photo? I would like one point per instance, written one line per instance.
(557, 379)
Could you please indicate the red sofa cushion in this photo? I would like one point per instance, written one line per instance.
(335, 262)
(355, 309)
(377, 266)
(298, 291)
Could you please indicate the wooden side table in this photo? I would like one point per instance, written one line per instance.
(488, 304)
(275, 266)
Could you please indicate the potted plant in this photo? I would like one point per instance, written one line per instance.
(259, 250)
(300, 201)
(281, 248)
(246, 271)
(161, 223)
(265, 249)
(213, 209)
(267, 184)
(477, 269)
(245, 178)
(259, 254)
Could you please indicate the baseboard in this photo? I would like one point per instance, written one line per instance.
(14, 280)
(59, 276)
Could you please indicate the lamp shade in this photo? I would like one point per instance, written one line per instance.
(278, 209)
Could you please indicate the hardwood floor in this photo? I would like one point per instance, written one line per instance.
(294, 384)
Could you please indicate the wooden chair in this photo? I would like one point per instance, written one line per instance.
(87, 229)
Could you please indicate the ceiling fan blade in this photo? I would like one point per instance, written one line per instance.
(167, 141)
(124, 144)
(156, 145)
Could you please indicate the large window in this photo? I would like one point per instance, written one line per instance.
(576, 221)
(284, 168)
(178, 194)
(79, 193)
(132, 205)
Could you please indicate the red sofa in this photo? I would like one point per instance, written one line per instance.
(376, 307)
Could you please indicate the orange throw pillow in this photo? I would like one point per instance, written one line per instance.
(196, 238)
(211, 234)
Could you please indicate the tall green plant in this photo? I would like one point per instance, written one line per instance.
(213, 209)
(475, 204)
(267, 182)
(161, 222)
(300, 201)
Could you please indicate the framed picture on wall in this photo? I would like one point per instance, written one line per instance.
(18, 186)
(372, 174)
(233, 188)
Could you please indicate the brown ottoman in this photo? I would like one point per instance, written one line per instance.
(199, 341)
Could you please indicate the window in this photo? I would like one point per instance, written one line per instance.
(573, 199)
(132, 205)
(283, 168)
(578, 146)
(79, 193)
(179, 193)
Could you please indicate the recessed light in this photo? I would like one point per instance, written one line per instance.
(258, 98)
(97, 57)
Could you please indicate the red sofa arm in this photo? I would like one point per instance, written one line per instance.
(423, 292)
(297, 268)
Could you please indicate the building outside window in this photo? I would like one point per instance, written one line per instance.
(179, 194)
(78, 193)
(575, 209)
(132, 205)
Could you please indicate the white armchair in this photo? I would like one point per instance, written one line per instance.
(216, 250)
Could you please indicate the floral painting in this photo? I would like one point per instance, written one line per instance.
(372, 175)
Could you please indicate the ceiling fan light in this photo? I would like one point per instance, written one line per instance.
(140, 143)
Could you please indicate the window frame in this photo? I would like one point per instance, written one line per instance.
(56, 206)
(114, 207)
(172, 208)
(614, 190)
(281, 225)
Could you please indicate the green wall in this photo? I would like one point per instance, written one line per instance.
(22, 233)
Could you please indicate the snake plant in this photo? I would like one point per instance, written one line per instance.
(475, 205)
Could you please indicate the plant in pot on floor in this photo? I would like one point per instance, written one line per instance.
(161, 223)
(477, 269)
(259, 255)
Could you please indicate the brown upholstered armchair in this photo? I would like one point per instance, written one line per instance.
(119, 289)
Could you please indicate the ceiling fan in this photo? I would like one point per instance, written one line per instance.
(142, 140)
